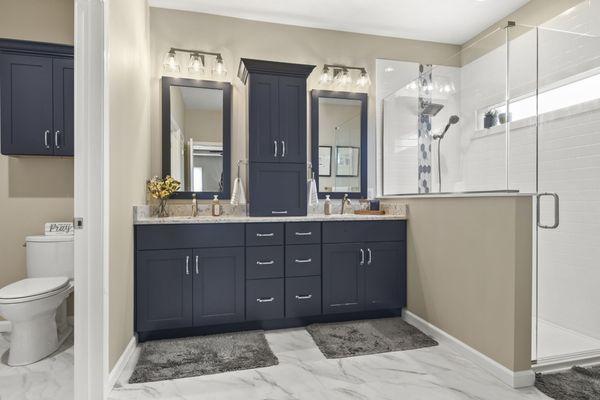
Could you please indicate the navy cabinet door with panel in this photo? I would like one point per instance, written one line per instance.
(263, 119)
(218, 285)
(164, 289)
(385, 280)
(64, 106)
(277, 189)
(343, 278)
(26, 101)
(292, 119)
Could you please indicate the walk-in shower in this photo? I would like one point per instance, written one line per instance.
(452, 121)
(528, 99)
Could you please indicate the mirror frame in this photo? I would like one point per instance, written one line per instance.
(167, 82)
(314, 128)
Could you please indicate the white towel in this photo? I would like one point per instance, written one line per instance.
(313, 198)
(238, 197)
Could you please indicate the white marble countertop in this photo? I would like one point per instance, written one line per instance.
(208, 219)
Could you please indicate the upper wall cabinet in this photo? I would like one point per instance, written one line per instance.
(36, 98)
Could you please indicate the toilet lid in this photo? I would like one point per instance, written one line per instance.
(33, 287)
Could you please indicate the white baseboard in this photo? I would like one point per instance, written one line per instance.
(4, 326)
(120, 364)
(514, 379)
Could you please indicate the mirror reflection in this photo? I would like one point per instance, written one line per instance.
(197, 138)
(339, 145)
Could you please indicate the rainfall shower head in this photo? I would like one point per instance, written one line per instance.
(432, 109)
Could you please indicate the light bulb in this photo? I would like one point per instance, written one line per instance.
(171, 63)
(325, 77)
(220, 69)
(343, 78)
(363, 81)
(196, 63)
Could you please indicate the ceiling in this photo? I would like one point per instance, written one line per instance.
(201, 99)
(446, 21)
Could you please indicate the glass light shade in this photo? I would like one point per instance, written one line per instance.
(220, 69)
(196, 65)
(325, 76)
(343, 78)
(363, 81)
(171, 64)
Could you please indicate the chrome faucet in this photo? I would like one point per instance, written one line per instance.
(194, 205)
(346, 203)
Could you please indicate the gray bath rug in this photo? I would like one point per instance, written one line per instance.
(575, 384)
(355, 338)
(202, 355)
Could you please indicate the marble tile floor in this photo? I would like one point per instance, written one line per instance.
(49, 379)
(434, 373)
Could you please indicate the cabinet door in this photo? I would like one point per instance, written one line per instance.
(218, 285)
(26, 102)
(163, 290)
(64, 106)
(277, 189)
(264, 143)
(292, 119)
(385, 275)
(343, 278)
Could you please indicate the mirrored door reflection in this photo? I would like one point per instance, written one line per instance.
(197, 138)
(339, 145)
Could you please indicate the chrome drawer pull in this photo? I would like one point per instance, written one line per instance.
(279, 212)
(265, 234)
(275, 143)
(303, 233)
(265, 262)
(362, 257)
(265, 299)
(370, 257)
(197, 269)
(56, 139)
(283, 145)
(187, 265)
(46, 144)
(305, 297)
(303, 261)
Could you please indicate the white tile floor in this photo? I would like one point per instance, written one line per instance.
(554, 340)
(49, 379)
(435, 373)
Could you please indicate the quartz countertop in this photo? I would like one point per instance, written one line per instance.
(209, 219)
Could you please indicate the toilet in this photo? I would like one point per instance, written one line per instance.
(36, 306)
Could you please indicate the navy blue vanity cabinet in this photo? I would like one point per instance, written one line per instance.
(292, 119)
(263, 98)
(385, 275)
(218, 285)
(343, 278)
(36, 98)
(277, 190)
(164, 287)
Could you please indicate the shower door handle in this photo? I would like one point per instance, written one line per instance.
(556, 210)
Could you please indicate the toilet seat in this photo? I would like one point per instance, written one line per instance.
(33, 289)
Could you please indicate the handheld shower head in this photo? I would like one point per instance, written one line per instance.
(453, 120)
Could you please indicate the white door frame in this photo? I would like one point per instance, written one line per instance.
(91, 194)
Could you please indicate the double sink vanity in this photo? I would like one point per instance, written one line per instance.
(272, 263)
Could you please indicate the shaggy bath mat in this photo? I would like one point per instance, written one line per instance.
(355, 338)
(578, 383)
(202, 355)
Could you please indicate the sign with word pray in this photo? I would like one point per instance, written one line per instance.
(59, 228)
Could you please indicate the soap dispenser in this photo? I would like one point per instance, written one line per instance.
(216, 207)
(327, 206)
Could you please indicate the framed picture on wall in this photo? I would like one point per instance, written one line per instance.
(325, 160)
(347, 160)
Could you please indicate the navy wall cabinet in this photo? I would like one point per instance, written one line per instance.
(277, 136)
(217, 276)
(36, 98)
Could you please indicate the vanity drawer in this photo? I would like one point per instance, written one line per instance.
(264, 262)
(188, 236)
(364, 231)
(264, 234)
(303, 260)
(264, 299)
(303, 296)
(302, 233)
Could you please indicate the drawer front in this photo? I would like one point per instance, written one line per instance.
(303, 260)
(188, 236)
(364, 231)
(303, 233)
(264, 262)
(264, 299)
(264, 234)
(302, 296)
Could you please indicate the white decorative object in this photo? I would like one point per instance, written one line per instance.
(58, 228)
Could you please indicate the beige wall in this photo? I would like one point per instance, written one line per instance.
(33, 190)
(470, 272)
(237, 38)
(128, 96)
(204, 125)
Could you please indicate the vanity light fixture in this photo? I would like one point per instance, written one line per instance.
(197, 62)
(341, 76)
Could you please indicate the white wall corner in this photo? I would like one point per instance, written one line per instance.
(5, 326)
(121, 364)
(519, 379)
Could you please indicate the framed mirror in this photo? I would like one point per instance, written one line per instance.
(339, 143)
(196, 136)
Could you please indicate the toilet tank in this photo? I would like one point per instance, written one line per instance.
(49, 255)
